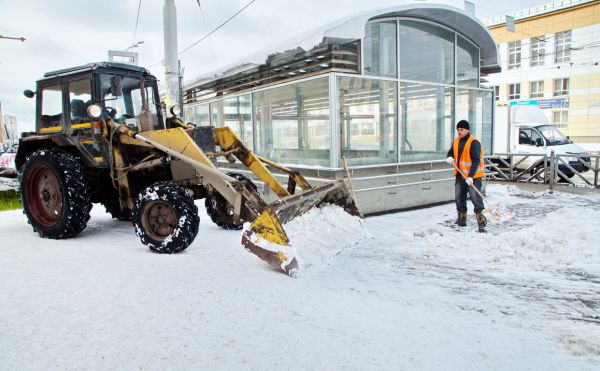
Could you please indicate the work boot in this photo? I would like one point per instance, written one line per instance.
(461, 221)
(481, 222)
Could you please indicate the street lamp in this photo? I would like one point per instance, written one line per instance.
(134, 45)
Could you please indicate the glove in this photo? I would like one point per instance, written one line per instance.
(450, 160)
(469, 181)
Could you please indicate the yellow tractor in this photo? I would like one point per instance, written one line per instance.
(100, 138)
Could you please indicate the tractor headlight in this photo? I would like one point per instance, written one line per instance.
(94, 111)
(175, 110)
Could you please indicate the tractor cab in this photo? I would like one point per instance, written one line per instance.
(65, 96)
(72, 103)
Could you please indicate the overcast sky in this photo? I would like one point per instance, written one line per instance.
(65, 33)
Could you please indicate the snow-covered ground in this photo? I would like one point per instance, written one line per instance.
(414, 293)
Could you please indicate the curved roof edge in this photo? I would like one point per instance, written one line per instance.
(353, 27)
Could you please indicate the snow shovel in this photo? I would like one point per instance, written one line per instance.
(495, 213)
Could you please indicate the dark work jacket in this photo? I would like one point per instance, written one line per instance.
(475, 153)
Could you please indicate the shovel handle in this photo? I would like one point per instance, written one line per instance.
(349, 179)
(475, 188)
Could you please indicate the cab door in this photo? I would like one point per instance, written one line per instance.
(531, 142)
(51, 108)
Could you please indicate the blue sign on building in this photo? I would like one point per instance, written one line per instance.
(554, 103)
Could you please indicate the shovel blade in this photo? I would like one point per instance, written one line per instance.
(266, 237)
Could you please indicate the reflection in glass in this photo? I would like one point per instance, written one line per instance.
(467, 63)
(476, 107)
(380, 49)
(292, 123)
(426, 52)
(368, 120)
(427, 121)
(236, 113)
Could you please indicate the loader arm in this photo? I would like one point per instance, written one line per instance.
(229, 141)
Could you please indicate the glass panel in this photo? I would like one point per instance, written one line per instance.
(292, 123)
(235, 113)
(128, 105)
(80, 98)
(198, 115)
(476, 106)
(380, 49)
(427, 121)
(368, 120)
(467, 63)
(52, 106)
(426, 52)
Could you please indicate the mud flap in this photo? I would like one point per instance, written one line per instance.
(266, 237)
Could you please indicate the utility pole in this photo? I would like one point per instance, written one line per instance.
(171, 61)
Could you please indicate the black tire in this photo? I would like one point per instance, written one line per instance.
(55, 193)
(221, 211)
(165, 218)
(113, 207)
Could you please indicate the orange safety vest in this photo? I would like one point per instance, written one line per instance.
(464, 162)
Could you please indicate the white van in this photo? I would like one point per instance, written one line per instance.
(530, 132)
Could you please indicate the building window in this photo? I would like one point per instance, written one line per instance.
(536, 89)
(426, 52)
(514, 91)
(368, 120)
(562, 47)
(514, 54)
(292, 123)
(561, 87)
(560, 119)
(497, 92)
(538, 51)
(380, 49)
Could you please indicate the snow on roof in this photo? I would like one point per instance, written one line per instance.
(353, 28)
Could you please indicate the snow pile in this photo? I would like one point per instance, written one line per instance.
(322, 233)
(546, 230)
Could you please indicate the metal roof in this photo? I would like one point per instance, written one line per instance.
(94, 66)
(353, 28)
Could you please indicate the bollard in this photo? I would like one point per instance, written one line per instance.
(552, 170)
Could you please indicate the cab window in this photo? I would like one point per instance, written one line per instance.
(525, 136)
(126, 108)
(80, 98)
(52, 106)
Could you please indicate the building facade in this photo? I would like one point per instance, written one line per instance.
(382, 89)
(552, 60)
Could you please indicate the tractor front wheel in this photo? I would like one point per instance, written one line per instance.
(165, 218)
(220, 210)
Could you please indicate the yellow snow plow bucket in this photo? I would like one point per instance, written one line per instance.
(266, 236)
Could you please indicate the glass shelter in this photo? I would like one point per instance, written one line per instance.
(387, 92)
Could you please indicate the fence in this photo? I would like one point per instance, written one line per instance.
(564, 169)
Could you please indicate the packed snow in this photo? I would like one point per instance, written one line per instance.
(414, 292)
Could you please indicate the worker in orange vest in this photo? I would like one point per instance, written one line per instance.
(467, 154)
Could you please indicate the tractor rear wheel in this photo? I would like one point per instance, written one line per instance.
(54, 193)
(165, 218)
(221, 211)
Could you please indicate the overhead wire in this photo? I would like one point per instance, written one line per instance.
(216, 29)
(137, 19)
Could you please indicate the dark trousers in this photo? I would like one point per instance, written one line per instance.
(461, 188)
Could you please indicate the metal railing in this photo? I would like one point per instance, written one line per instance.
(564, 169)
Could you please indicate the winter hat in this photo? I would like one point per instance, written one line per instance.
(463, 124)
